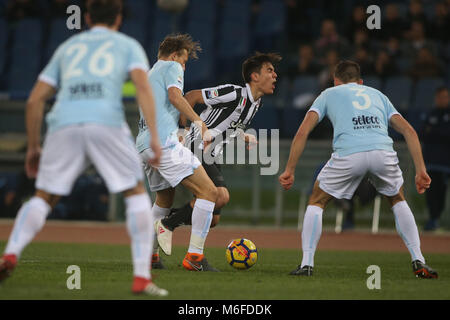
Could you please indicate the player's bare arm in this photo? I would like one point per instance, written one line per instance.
(33, 116)
(147, 104)
(181, 103)
(298, 145)
(402, 126)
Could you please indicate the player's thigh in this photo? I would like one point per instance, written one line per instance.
(201, 185)
(319, 197)
(114, 155)
(385, 173)
(214, 172)
(176, 163)
(164, 198)
(156, 181)
(341, 175)
(62, 160)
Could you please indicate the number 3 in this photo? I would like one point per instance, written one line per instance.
(367, 101)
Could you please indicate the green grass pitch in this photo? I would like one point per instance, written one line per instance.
(106, 273)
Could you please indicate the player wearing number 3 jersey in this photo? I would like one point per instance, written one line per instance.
(360, 116)
(86, 125)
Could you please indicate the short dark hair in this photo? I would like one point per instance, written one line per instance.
(176, 43)
(347, 71)
(104, 11)
(255, 63)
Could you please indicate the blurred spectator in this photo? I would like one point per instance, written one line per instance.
(360, 38)
(425, 65)
(298, 20)
(305, 64)
(436, 142)
(330, 40)
(440, 26)
(416, 13)
(326, 75)
(384, 66)
(392, 47)
(392, 25)
(58, 8)
(364, 60)
(14, 189)
(358, 21)
(417, 39)
(21, 9)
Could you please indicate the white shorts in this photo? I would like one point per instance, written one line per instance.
(67, 152)
(341, 175)
(177, 162)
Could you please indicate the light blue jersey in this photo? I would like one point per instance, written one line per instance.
(89, 70)
(360, 117)
(162, 76)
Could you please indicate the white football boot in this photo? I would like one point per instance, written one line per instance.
(164, 237)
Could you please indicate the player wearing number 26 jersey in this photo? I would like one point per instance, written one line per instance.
(90, 69)
(360, 116)
(86, 126)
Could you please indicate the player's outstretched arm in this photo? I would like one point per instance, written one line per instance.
(41, 92)
(402, 126)
(193, 97)
(181, 103)
(147, 104)
(298, 145)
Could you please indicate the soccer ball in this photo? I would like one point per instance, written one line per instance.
(241, 253)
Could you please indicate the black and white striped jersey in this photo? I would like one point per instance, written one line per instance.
(230, 110)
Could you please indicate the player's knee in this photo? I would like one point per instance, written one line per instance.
(223, 197)
(212, 193)
(50, 199)
(393, 200)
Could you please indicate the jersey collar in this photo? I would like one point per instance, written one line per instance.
(249, 93)
(100, 29)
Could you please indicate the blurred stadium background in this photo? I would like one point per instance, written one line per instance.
(408, 58)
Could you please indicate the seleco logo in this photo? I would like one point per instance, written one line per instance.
(362, 120)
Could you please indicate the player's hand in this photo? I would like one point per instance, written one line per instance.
(423, 181)
(251, 140)
(32, 162)
(206, 136)
(156, 148)
(286, 179)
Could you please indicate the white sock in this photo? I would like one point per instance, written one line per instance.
(29, 221)
(140, 229)
(201, 221)
(158, 213)
(312, 229)
(407, 229)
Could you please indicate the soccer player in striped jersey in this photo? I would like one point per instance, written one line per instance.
(230, 110)
(86, 125)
